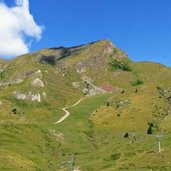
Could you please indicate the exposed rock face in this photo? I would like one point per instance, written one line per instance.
(87, 87)
(80, 66)
(36, 97)
(91, 89)
(39, 73)
(37, 83)
(20, 96)
(109, 48)
(96, 59)
(30, 97)
(87, 79)
(94, 56)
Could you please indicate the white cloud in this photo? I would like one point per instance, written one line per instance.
(16, 23)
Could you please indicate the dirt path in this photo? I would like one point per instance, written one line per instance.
(67, 113)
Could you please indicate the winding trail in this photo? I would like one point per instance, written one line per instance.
(67, 113)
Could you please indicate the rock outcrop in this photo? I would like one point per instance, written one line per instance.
(91, 89)
(37, 83)
(30, 96)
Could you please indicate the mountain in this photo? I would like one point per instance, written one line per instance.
(88, 106)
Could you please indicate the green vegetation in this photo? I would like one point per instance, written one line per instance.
(150, 128)
(2, 75)
(137, 82)
(117, 63)
(110, 131)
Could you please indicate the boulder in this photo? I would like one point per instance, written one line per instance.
(36, 97)
(19, 95)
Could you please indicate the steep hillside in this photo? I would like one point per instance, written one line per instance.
(110, 110)
(60, 76)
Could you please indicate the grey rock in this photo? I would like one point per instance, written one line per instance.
(37, 83)
(30, 97)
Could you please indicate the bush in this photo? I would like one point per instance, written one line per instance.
(2, 76)
(137, 82)
(107, 104)
(150, 128)
(126, 135)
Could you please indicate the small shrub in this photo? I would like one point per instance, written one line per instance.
(107, 104)
(2, 76)
(150, 128)
(14, 111)
(137, 82)
(123, 91)
(126, 135)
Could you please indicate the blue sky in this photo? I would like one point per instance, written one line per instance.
(142, 28)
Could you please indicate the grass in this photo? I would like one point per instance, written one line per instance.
(94, 132)
(138, 151)
(98, 143)
(20, 152)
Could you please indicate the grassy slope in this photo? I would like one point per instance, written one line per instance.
(30, 141)
(40, 147)
(139, 151)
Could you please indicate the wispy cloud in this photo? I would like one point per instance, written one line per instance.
(17, 24)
